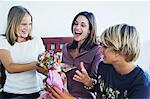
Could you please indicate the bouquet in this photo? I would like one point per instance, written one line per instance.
(52, 63)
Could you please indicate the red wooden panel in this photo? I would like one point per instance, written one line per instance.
(48, 41)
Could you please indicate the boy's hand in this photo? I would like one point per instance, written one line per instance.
(57, 94)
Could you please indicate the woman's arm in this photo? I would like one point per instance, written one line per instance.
(83, 77)
(11, 67)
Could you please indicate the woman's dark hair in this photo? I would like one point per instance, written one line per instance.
(91, 40)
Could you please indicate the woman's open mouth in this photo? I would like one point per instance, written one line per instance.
(77, 33)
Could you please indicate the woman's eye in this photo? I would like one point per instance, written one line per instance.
(83, 25)
(75, 23)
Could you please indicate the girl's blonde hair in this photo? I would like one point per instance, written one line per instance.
(14, 19)
(122, 38)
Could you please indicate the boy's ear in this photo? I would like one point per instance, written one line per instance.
(122, 54)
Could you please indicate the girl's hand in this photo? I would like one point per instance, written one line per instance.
(82, 76)
(42, 70)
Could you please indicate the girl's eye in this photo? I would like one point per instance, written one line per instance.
(23, 24)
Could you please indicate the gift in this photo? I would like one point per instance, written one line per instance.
(52, 63)
(46, 60)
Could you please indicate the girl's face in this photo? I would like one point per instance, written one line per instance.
(25, 26)
(81, 28)
(109, 55)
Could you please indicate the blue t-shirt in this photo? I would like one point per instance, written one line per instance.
(112, 85)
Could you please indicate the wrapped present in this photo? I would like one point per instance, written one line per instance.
(46, 59)
(52, 63)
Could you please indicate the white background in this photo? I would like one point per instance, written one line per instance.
(54, 18)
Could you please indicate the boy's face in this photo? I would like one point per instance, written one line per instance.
(109, 55)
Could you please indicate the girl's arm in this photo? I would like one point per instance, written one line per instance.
(11, 67)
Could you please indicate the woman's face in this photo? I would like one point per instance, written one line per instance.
(81, 28)
(25, 26)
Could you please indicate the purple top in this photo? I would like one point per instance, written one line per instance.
(91, 58)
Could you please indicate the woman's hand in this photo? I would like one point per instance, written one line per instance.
(57, 94)
(82, 76)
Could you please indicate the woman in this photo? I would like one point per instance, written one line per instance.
(18, 53)
(83, 48)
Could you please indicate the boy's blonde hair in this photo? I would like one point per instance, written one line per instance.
(122, 38)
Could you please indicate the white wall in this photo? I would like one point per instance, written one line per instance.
(53, 18)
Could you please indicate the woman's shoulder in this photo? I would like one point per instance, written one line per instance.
(64, 49)
(95, 48)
